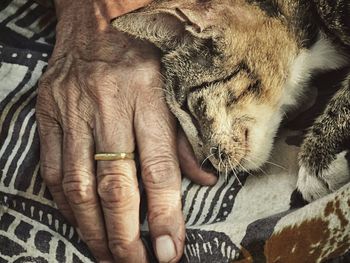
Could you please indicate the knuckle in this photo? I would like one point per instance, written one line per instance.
(79, 189)
(46, 111)
(161, 171)
(182, 236)
(64, 208)
(43, 93)
(93, 241)
(51, 176)
(121, 249)
(43, 104)
(116, 190)
(163, 217)
(45, 81)
(156, 215)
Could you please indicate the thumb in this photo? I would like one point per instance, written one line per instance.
(190, 166)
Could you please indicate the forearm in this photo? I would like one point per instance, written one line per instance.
(81, 24)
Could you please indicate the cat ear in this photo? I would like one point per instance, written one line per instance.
(167, 23)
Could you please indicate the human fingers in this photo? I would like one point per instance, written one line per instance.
(189, 165)
(118, 186)
(156, 135)
(50, 134)
(79, 184)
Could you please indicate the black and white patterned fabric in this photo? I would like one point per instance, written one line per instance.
(234, 220)
(31, 229)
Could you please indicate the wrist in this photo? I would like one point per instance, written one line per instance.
(82, 27)
(82, 13)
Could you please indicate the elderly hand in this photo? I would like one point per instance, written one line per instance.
(102, 93)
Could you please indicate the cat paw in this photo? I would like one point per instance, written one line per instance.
(310, 185)
(313, 186)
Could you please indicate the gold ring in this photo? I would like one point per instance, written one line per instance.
(114, 156)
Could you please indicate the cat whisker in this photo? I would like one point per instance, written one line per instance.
(220, 155)
(206, 159)
(277, 165)
(212, 148)
(260, 169)
(272, 163)
(226, 173)
(259, 159)
(220, 158)
(234, 173)
(243, 168)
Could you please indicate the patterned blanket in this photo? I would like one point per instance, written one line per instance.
(229, 222)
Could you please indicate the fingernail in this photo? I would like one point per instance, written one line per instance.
(165, 249)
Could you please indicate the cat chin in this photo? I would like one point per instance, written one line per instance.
(256, 159)
(262, 133)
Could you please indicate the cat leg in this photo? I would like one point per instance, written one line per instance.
(323, 164)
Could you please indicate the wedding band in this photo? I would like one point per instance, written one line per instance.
(114, 156)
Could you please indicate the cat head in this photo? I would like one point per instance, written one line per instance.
(226, 65)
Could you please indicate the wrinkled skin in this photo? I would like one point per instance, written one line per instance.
(102, 92)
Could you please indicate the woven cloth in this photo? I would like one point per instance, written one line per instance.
(225, 223)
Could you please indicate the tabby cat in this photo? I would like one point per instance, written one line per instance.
(232, 69)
